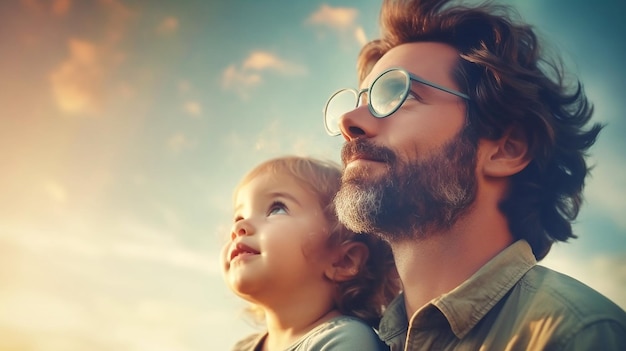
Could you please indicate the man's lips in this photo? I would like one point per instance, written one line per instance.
(242, 249)
(361, 160)
(362, 157)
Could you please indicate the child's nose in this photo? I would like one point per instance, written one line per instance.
(241, 228)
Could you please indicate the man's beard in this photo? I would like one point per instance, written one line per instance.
(412, 198)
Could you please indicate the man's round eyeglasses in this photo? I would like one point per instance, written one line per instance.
(386, 94)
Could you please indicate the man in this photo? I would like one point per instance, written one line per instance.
(466, 152)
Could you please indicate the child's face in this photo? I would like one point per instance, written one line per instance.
(278, 240)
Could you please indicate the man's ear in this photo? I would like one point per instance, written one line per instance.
(347, 262)
(506, 156)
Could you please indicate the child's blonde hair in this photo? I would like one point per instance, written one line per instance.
(368, 293)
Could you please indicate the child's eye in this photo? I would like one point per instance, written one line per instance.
(277, 207)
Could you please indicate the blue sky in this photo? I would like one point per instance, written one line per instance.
(125, 125)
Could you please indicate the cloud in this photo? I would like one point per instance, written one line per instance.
(168, 25)
(334, 17)
(56, 191)
(270, 140)
(190, 106)
(62, 243)
(179, 142)
(33, 5)
(250, 73)
(261, 60)
(172, 256)
(184, 86)
(35, 320)
(118, 16)
(61, 7)
(275, 139)
(136, 242)
(53, 314)
(339, 19)
(125, 90)
(80, 81)
(193, 108)
(55, 7)
(77, 84)
(238, 81)
(361, 38)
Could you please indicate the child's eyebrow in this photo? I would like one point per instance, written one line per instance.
(273, 195)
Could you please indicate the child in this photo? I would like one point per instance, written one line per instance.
(319, 286)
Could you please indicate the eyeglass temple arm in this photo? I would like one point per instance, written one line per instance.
(437, 86)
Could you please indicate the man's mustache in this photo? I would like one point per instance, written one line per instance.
(364, 149)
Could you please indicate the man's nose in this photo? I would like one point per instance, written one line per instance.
(358, 123)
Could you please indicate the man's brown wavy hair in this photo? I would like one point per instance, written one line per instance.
(512, 83)
(376, 283)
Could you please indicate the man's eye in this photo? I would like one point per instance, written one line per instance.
(414, 96)
(277, 208)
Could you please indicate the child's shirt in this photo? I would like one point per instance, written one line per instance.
(338, 334)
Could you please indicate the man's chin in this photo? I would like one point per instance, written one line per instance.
(358, 204)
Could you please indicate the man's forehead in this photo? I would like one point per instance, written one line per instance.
(429, 60)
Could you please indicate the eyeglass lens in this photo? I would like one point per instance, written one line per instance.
(388, 92)
(386, 95)
(342, 102)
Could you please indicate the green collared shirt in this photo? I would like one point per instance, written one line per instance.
(511, 303)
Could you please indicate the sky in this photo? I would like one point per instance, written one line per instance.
(126, 124)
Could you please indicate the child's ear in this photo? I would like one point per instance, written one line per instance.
(348, 260)
(506, 156)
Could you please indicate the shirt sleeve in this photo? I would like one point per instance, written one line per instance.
(603, 335)
(249, 343)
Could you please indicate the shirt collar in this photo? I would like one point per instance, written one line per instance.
(469, 302)
(394, 322)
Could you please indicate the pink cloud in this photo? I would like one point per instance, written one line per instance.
(77, 83)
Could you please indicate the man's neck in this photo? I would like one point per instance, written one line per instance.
(439, 262)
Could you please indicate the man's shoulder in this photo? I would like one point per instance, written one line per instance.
(549, 292)
(550, 310)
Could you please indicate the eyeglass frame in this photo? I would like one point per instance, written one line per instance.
(412, 77)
